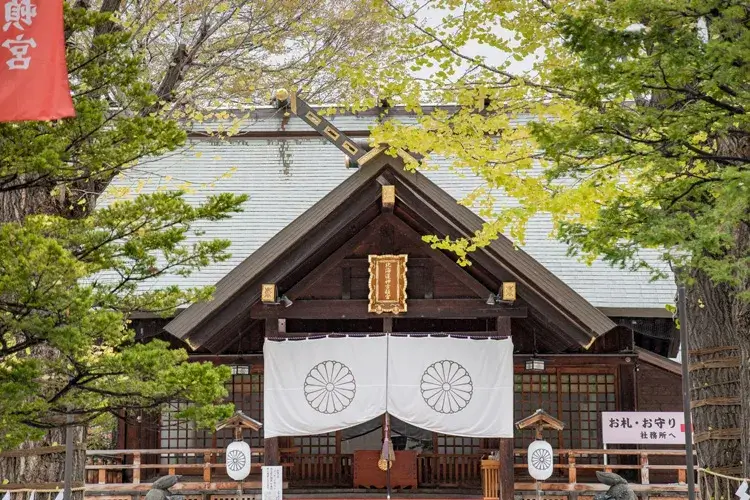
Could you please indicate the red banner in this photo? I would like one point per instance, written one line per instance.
(33, 74)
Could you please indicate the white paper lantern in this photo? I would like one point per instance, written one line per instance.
(540, 460)
(238, 460)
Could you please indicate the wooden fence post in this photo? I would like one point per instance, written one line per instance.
(137, 468)
(207, 467)
(572, 476)
(644, 468)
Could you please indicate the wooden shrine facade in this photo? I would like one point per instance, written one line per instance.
(319, 270)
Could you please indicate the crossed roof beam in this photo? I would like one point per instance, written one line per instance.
(358, 154)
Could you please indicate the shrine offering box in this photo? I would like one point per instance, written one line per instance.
(367, 474)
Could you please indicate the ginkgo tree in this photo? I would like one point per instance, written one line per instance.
(625, 122)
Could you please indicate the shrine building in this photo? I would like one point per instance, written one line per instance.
(333, 313)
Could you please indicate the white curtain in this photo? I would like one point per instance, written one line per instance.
(322, 385)
(462, 387)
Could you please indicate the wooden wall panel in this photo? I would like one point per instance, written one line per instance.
(446, 287)
(327, 287)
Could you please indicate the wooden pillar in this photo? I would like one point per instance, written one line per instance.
(506, 469)
(271, 455)
(388, 324)
(503, 326)
(506, 478)
(628, 386)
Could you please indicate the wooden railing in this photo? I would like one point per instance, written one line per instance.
(448, 470)
(579, 465)
(134, 467)
(319, 470)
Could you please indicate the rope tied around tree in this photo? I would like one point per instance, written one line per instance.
(720, 484)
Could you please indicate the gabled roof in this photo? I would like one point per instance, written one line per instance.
(541, 288)
(659, 361)
(540, 417)
(239, 421)
(284, 174)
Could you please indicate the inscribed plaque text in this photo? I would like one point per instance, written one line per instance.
(387, 283)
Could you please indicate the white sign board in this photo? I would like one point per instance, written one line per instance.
(638, 427)
(272, 482)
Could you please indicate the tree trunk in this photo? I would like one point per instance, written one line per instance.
(16, 204)
(741, 318)
(720, 387)
(36, 471)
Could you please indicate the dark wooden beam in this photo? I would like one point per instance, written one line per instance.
(333, 260)
(506, 469)
(388, 198)
(346, 283)
(442, 226)
(362, 263)
(428, 279)
(357, 309)
(388, 325)
(636, 312)
(272, 327)
(628, 389)
(586, 360)
(450, 265)
(503, 326)
(387, 239)
(271, 455)
(327, 231)
(551, 338)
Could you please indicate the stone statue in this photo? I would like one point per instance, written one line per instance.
(619, 489)
(160, 489)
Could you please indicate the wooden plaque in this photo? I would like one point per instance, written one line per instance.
(387, 283)
(268, 293)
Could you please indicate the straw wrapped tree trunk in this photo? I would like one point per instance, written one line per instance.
(40, 464)
(716, 382)
(719, 354)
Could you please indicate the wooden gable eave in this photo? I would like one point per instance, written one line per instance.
(659, 361)
(202, 323)
(202, 320)
(541, 288)
(540, 418)
(388, 219)
(292, 261)
(472, 303)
